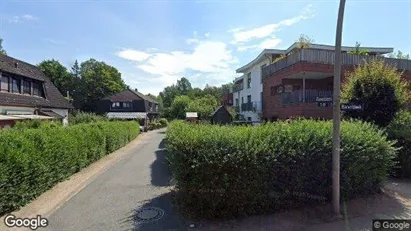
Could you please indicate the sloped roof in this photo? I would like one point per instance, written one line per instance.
(129, 95)
(216, 110)
(54, 99)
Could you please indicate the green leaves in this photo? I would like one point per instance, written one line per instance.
(380, 88)
(34, 160)
(228, 171)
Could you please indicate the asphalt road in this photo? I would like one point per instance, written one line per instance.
(113, 199)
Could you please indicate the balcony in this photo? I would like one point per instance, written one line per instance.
(238, 87)
(247, 106)
(296, 97)
(327, 57)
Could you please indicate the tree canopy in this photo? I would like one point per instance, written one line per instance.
(2, 51)
(87, 82)
(379, 87)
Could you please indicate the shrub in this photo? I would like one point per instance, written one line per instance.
(379, 87)
(227, 171)
(163, 122)
(27, 124)
(34, 160)
(400, 130)
(85, 117)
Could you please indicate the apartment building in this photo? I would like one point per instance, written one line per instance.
(293, 83)
(248, 89)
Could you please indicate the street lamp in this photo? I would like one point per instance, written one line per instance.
(337, 114)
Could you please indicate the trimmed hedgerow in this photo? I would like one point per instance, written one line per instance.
(34, 160)
(228, 171)
(400, 129)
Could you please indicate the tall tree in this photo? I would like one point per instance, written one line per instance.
(2, 51)
(98, 80)
(59, 75)
(75, 69)
(184, 86)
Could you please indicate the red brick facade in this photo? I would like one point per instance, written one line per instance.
(272, 107)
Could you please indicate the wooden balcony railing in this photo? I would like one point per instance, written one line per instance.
(327, 57)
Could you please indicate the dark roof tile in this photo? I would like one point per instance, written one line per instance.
(54, 99)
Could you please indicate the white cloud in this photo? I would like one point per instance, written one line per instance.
(243, 36)
(22, 18)
(133, 55)
(210, 61)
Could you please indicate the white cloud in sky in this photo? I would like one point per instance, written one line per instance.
(266, 33)
(133, 55)
(22, 18)
(207, 61)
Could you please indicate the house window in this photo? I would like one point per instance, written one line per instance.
(262, 67)
(149, 104)
(126, 105)
(37, 89)
(242, 100)
(26, 87)
(248, 98)
(236, 102)
(115, 105)
(249, 80)
(16, 85)
(4, 83)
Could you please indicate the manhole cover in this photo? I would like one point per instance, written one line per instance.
(146, 215)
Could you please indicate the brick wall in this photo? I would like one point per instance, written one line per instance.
(272, 106)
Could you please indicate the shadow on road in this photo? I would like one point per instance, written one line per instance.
(171, 220)
(160, 172)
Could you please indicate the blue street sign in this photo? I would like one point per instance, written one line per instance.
(352, 107)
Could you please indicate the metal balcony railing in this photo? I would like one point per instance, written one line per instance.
(296, 97)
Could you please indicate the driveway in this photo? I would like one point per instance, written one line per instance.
(114, 199)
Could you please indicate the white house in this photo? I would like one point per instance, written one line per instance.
(248, 89)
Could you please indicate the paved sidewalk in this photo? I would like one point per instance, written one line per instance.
(394, 203)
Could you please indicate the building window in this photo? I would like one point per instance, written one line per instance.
(236, 102)
(249, 80)
(248, 98)
(126, 105)
(242, 100)
(115, 105)
(37, 89)
(16, 85)
(261, 74)
(149, 104)
(4, 83)
(26, 87)
(249, 119)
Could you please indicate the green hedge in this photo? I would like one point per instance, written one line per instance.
(85, 117)
(400, 129)
(34, 160)
(227, 171)
(157, 124)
